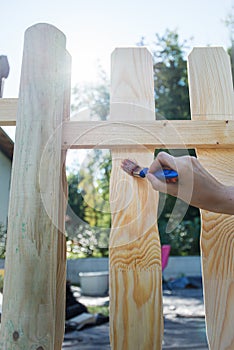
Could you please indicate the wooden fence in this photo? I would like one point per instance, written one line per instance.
(34, 287)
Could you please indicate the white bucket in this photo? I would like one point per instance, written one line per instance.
(94, 283)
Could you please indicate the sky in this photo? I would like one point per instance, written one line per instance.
(94, 28)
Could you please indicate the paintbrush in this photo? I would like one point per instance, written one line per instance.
(132, 168)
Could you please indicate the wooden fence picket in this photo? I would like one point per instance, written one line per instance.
(61, 249)
(34, 287)
(134, 248)
(29, 301)
(211, 97)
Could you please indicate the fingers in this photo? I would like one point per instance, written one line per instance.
(162, 186)
(163, 160)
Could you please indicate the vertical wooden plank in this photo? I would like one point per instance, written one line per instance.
(61, 251)
(135, 253)
(28, 320)
(211, 96)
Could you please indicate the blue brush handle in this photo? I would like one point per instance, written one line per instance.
(160, 174)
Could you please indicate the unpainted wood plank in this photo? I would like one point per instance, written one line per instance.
(29, 297)
(61, 250)
(152, 134)
(136, 320)
(211, 94)
(8, 111)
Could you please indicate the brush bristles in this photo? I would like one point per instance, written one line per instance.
(130, 167)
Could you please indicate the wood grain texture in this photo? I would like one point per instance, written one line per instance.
(29, 301)
(8, 111)
(152, 134)
(61, 250)
(135, 255)
(211, 94)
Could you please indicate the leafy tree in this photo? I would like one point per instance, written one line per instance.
(94, 184)
(3, 234)
(89, 214)
(76, 201)
(229, 22)
(170, 72)
(93, 97)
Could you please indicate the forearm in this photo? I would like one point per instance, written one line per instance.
(226, 203)
(195, 185)
(219, 200)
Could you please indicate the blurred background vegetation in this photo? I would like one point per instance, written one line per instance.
(88, 231)
(2, 242)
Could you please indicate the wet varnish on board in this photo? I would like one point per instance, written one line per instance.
(135, 254)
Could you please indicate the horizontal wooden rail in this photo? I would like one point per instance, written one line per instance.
(155, 134)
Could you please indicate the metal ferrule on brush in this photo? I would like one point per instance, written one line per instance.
(136, 174)
(142, 173)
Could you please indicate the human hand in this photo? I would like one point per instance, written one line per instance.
(195, 186)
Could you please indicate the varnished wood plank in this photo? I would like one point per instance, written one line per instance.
(152, 134)
(135, 255)
(211, 94)
(29, 297)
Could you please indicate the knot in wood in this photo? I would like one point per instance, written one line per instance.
(15, 335)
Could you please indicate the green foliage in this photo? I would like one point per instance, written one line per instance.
(231, 54)
(1, 283)
(89, 219)
(171, 82)
(229, 22)
(87, 242)
(76, 201)
(88, 223)
(184, 238)
(94, 186)
(104, 310)
(2, 241)
(93, 97)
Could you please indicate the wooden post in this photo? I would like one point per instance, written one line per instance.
(211, 96)
(29, 304)
(135, 253)
(63, 194)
